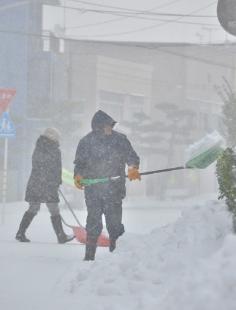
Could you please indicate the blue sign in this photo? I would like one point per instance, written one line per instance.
(7, 129)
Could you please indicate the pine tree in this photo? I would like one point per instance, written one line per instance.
(226, 164)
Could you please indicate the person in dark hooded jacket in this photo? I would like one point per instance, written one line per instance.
(104, 153)
(43, 184)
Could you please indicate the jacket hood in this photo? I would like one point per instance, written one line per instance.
(100, 120)
(46, 143)
(52, 133)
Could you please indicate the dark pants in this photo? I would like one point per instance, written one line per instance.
(97, 205)
(53, 208)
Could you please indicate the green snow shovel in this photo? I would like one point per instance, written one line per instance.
(200, 155)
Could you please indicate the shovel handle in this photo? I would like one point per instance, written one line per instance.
(88, 182)
(70, 208)
(162, 170)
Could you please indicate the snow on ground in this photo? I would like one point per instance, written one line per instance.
(188, 264)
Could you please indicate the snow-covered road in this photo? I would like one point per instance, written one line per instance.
(188, 264)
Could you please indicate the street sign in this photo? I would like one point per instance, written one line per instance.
(6, 95)
(7, 128)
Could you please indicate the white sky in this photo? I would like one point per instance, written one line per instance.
(90, 25)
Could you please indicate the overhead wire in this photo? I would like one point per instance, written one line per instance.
(140, 11)
(139, 45)
(125, 17)
(159, 48)
(84, 10)
(113, 7)
(137, 14)
(158, 19)
(149, 27)
(191, 57)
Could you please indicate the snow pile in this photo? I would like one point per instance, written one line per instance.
(187, 265)
(210, 285)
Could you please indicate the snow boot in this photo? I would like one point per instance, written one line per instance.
(90, 250)
(112, 245)
(57, 226)
(24, 224)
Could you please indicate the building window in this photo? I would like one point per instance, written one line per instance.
(112, 103)
(121, 106)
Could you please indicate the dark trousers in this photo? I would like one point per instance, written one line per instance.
(97, 205)
(53, 208)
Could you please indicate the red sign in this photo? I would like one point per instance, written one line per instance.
(6, 95)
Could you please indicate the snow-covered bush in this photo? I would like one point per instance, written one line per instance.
(226, 164)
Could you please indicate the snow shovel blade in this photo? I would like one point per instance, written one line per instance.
(81, 236)
(204, 152)
(206, 158)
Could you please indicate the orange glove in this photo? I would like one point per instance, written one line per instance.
(133, 174)
(77, 180)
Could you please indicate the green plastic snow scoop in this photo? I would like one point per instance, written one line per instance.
(206, 158)
(202, 155)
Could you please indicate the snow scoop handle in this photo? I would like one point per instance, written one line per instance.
(88, 182)
(70, 208)
(162, 170)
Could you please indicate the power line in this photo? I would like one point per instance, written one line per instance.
(160, 49)
(155, 49)
(156, 19)
(113, 7)
(149, 27)
(191, 57)
(84, 10)
(126, 17)
(129, 16)
(139, 11)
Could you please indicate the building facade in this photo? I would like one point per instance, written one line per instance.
(162, 95)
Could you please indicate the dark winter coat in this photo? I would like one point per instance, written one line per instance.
(45, 177)
(99, 155)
